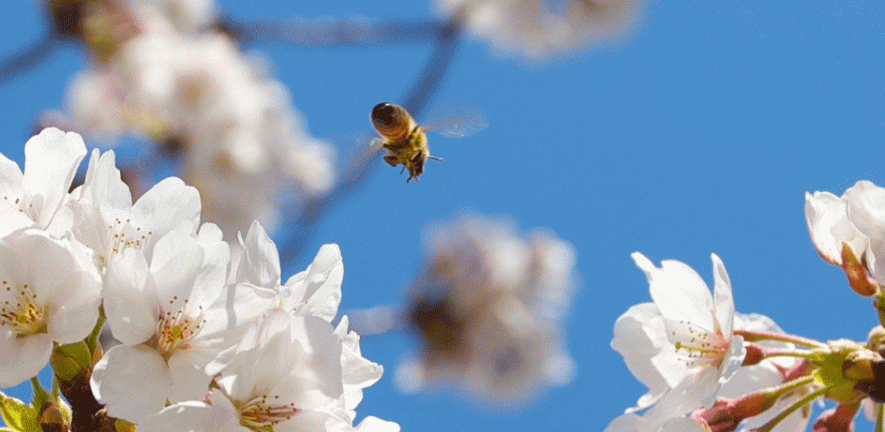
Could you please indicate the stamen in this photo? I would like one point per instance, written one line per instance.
(176, 330)
(264, 411)
(21, 311)
(122, 235)
(701, 347)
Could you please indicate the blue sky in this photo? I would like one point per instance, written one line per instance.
(699, 133)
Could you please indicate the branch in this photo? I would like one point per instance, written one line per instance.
(362, 163)
(28, 57)
(356, 31)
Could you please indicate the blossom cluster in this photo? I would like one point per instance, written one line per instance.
(709, 368)
(174, 77)
(540, 28)
(205, 344)
(487, 306)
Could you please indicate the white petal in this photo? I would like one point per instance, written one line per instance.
(306, 421)
(374, 424)
(319, 287)
(641, 338)
(722, 296)
(23, 358)
(866, 208)
(74, 310)
(189, 381)
(829, 226)
(103, 185)
(130, 299)
(624, 423)
(166, 206)
(679, 292)
(176, 278)
(190, 416)
(260, 264)
(10, 178)
(51, 161)
(132, 382)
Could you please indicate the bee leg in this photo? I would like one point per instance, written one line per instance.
(391, 160)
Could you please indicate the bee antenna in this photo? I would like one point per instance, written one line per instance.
(434, 158)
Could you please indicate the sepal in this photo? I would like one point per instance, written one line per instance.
(18, 416)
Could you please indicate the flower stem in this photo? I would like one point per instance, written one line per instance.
(96, 331)
(761, 335)
(767, 427)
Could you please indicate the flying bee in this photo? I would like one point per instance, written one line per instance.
(406, 140)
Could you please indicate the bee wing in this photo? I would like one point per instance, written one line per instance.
(460, 125)
(377, 142)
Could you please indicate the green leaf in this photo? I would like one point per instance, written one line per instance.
(18, 416)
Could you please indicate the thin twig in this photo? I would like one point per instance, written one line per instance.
(355, 31)
(363, 162)
(26, 58)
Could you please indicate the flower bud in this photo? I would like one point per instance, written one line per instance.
(836, 419)
(51, 419)
(856, 272)
(858, 365)
(876, 340)
(69, 360)
(727, 414)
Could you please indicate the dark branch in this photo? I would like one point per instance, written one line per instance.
(333, 33)
(361, 165)
(19, 62)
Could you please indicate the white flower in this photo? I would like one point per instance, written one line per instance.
(172, 318)
(487, 306)
(35, 197)
(539, 28)
(685, 363)
(108, 222)
(283, 373)
(830, 227)
(314, 291)
(46, 297)
(866, 211)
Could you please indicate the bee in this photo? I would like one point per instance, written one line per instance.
(406, 140)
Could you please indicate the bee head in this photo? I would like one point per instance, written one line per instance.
(390, 119)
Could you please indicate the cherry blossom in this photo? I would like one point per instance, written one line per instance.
(34, 198)
(46, 296)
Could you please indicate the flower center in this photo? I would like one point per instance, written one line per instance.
(699, 347)
(175, 331)
(122, 235)
(263, 411)
(21, 312)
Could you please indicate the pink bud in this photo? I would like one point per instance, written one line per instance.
(838, 419)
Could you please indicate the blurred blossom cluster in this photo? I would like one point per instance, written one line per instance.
(204, 346)
(543, 28)
(488, 306)
(709, 368)
(174, 77)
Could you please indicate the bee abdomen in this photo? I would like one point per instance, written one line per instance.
(391, 121)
